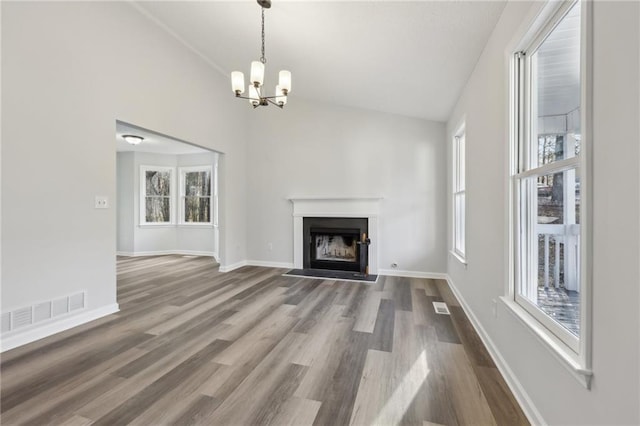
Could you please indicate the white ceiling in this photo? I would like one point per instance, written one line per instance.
(559, 67)
(404, 57)
(153, 142)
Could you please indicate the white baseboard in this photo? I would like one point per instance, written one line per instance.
(412, 274)
(165, 252)
(528, 407)
(233, 266)
(287, 265)
(31, 335)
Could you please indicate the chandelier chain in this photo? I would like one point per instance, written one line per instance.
(263, 59)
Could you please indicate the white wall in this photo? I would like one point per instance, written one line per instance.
(134, 239)
(320, 150)
(551, 390)
(125, 218)
(69, 71)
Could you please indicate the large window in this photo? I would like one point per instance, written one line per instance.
(195, 202)
(459, 194)
(196, 189)
(156, 205)
(548, 175)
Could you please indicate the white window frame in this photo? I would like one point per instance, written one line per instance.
(143, 195)
(459, 191)
(575, 354)
(215, 188)
(182, 171)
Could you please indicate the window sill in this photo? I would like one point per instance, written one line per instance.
(195, 225)
(558, 349)
(459, 258)
(156, 225)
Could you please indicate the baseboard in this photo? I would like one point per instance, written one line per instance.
(527, 405)
(166, 252)
(412, 274)
(267, 264)
(233, 266)
(195, 253)
(46, 330)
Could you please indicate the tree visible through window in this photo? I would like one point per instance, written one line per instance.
(196, 195)
(157, 195)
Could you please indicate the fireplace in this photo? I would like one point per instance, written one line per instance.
(349, 207)
(334, 243)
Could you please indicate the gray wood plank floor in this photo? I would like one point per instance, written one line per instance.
(192, 345)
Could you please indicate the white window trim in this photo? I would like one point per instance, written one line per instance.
(182, 171)
(455, 185)
(143, 194)
(216, 194)
(578, 359)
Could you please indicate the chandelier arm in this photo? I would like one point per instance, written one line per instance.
(274, 103)
(247, 97)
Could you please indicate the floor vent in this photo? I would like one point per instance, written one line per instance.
(43, 311)
(441, 308)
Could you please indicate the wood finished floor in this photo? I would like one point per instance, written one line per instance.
(192, 345)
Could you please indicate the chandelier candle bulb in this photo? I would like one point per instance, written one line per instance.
(257, 72)
(284, 81)
(254, 97)
(237, 82)
(281, 98)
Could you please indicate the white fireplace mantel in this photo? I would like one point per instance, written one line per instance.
(366, 207)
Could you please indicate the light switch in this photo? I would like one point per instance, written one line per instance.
(102, 202)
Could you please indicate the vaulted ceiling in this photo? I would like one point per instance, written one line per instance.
(404, 57)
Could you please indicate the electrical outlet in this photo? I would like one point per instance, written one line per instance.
(494, 308)
(270, 246)
(102, 202)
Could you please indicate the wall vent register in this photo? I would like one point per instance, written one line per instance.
(42, 312)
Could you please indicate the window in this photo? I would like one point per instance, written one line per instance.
(549, 237)
(196, 204)
(459, 201)
(156, 205)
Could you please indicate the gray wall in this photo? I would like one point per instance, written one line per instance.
(323, 150)
(125, 195)
(74, 68)
(548, 386)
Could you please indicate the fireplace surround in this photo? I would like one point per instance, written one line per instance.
(336, 207)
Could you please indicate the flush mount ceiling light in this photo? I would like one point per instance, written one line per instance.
(133, 139)
(257, 95)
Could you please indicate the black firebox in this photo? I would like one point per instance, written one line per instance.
(335, 243)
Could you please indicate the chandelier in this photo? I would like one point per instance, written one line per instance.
(257, 96)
